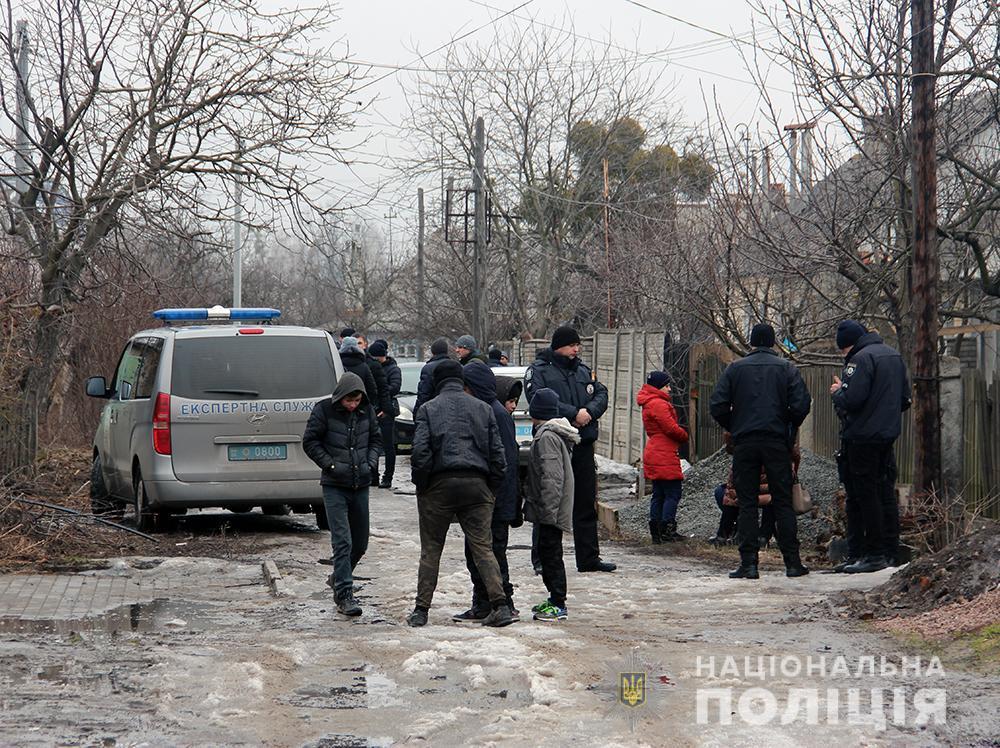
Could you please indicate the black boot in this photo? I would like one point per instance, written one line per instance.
(746, 570)
(654, 531)
(668, 531)
(794, 566)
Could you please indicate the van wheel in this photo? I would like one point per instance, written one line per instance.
(276, 510)
(101, 501)
(145, 519)
(321, 520)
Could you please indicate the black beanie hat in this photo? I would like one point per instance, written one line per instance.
(544, 405)
(762, 336)
(347, 332)
(439, 346)
(658, 379)
(564, 335)
(495, 354)
(377, 349)
(447, 369)
(848, 333)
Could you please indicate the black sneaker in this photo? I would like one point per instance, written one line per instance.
(348, 606)
(470, 616)
(417, 618)
(499, 617)
(385, 483)
(796, 570)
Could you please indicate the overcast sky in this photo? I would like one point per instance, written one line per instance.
(391, 32)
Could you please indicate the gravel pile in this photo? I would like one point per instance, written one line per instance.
(698, 515)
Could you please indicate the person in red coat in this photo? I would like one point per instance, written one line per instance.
(660, 462)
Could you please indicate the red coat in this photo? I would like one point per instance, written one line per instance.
(664, 435)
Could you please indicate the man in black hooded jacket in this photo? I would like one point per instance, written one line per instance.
(354, 361)
(425, 388)
(342, 437)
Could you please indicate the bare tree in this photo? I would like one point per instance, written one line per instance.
(142, 115)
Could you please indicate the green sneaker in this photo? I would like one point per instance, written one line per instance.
(551, 613)
(541, 606)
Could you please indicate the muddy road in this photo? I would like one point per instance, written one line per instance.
(185, 651)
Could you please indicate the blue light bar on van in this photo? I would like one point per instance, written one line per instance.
(216, 312)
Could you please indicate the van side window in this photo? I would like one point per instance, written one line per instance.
(128, 368)
(149, 361)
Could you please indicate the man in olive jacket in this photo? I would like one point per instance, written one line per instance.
(342, 437)
(457, 462)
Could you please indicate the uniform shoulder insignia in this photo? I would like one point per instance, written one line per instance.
(850, 369)
(528, 374)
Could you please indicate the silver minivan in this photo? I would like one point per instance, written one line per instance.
(211, 414)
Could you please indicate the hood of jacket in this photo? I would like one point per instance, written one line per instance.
(349, 382)
(352, 356)
(508, 388)
(481, 381)
(562, 427)
(648, 393)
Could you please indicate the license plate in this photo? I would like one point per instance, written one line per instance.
(523, 430)
(251, 452)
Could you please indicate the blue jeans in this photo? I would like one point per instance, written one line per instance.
(347, 513)
(666, 497)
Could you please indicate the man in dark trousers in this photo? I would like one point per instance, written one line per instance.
(761, 400)
(425, 388)
(582, 401)
(481, 383)
(869, 398)
(379, 350)
(457, 463)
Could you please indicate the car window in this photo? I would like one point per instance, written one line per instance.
(411, 378)
(252, 366)
(128, 368)
(149, 350)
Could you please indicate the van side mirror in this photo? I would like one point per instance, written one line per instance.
(97, 387)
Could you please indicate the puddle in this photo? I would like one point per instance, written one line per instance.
(152, 616)
(350, 741)
(367, 690)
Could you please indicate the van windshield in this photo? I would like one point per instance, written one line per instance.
(275, 367)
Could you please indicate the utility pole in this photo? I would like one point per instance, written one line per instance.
(420, 273)
(793, 157)
(22, 145)
(479, 187)
(238, 231)
(926, 401)
(390, 215)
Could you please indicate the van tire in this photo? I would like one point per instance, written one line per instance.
(276, 510)
(101, 501)
(145, 518)
(321, 519)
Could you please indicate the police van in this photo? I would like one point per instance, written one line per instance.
(208, 411)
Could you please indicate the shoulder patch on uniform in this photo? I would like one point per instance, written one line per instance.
(528, 373)
(590, 389)
(850, 369)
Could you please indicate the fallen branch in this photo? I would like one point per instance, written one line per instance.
(84, 515)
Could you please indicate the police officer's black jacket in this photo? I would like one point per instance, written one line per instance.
(571, 379)
(425, 388)
(760, 396)
(394, 382)
(874, 392)
(345, 444)
(384, 403)
(455, 432)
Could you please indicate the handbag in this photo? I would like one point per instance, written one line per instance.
(801, 500)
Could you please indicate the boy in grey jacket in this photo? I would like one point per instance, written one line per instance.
(549, 500)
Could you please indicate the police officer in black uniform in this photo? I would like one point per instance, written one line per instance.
(761, 400)
(582, 400)
(869, 399)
